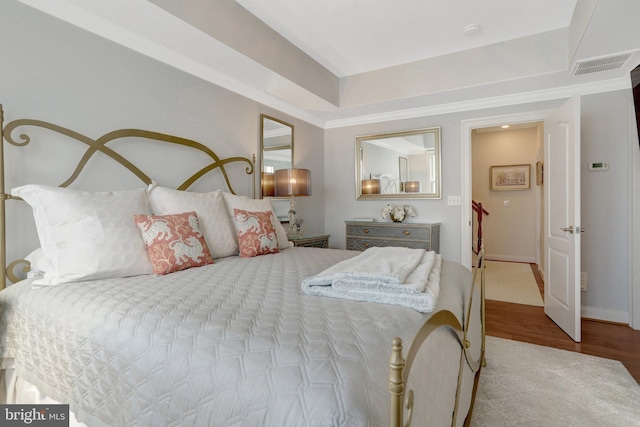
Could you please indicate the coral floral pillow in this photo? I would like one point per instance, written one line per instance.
(256, 233)
(174, 242)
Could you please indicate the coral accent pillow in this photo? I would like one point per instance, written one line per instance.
(174, 242)
(256, 233)
(257, 205)
(215, 223)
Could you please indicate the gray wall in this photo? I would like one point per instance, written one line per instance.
(341, 203)
(606, 202)
(606, 196)
(55, 72)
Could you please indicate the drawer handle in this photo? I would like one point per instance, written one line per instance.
(406, 232)
(365, 230)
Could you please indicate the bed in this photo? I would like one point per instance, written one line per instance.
(233, 341)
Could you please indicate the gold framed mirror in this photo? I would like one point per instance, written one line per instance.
(276, 148)
(399, 165)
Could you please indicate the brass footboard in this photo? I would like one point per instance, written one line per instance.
(399, 367)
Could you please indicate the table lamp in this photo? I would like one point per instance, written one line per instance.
(370, 186)
(268, 189)
(412, 186)
(291, 183)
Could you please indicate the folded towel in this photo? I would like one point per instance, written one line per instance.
(368, 278)
(414, 283)
(385, 264)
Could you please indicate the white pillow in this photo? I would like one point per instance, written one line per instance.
(215, 224)
(38, 262)
(88, 235)
(257, 205)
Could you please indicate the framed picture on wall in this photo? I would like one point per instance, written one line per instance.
(510, 177)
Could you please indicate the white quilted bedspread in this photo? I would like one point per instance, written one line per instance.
(235, 343)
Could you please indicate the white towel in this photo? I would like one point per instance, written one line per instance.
(389, 275)
(385, 264)
(415, 282)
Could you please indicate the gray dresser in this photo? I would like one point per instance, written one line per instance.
(363, 235)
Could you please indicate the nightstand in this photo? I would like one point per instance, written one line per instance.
(311, 241)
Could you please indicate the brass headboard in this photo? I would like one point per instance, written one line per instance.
(100, 145)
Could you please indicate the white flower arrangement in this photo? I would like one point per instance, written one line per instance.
(397, 213)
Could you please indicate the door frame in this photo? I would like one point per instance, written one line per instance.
(634, 273)
(466, 213)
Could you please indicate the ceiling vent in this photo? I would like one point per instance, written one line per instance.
(603, 63)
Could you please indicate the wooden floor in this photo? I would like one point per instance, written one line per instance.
(529, 324)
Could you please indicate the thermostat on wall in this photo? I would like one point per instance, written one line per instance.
(598, 166)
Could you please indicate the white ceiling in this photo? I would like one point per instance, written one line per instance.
(355, 36)
(342, 62)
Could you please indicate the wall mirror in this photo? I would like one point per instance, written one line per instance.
(276, 148)
(399, 165)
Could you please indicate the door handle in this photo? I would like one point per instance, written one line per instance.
(571, 230)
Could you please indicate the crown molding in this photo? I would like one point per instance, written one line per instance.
(484, 103)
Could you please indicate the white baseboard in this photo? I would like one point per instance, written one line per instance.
(605, 314)
(509, 258)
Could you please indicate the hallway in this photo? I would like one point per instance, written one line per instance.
(514, 282)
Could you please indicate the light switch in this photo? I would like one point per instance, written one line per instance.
(507, 203)
(453, 200)
(598, 166)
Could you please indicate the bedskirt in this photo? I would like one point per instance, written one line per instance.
(16, 390)
(235, 343)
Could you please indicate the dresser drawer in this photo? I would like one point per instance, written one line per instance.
(360, 244)
(389, 230)
(363, 235)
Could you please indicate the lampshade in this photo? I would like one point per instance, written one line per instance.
(268, 189)
(370, 186)
(292, 182)
(412, 186)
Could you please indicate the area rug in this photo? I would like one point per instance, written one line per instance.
(530, 385)
(511, 282)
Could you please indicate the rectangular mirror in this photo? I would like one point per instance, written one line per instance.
(276, 148)
(399, 165)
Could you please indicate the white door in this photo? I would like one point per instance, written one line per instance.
(562, 217)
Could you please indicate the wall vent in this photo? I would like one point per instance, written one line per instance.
(603, 63)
